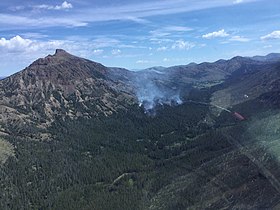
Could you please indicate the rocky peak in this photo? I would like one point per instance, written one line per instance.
(62, 66)
(59, 57)
(60, 85)
(60, 52)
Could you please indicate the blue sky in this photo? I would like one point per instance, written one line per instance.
(137, 34)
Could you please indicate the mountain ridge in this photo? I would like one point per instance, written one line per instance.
(64, 85)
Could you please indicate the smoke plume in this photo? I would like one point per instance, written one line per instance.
(153, 89)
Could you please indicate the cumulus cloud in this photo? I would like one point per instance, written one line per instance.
(272, 35)
(239, 39)
(64, 6)
(32, 48)
(183, 45)
(24, 51)
(215, 34)
(16, 43)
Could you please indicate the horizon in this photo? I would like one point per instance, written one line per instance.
(137, 35)
(149, 67)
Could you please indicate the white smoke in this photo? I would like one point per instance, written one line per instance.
(151, 93)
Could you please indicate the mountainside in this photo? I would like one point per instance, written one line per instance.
(78, 135)
(249, 84)
(59, 86)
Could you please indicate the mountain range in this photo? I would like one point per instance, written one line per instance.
(75, 134)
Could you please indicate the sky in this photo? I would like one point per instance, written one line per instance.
(137, 34)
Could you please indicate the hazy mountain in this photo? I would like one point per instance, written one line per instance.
(269, 57)
(157, 69)
(73, 136)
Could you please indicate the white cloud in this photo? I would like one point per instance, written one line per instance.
(8, 21)
(239, 39)
(159, 33)
(215, 34)
(18, 52)
(183, 45)
(15, 44)
(64, 6)
(272, 35)
(21, 46)
(138, 20)
(143, 61)
(169, 30)
(116, 52)
(155, 40)
(238, 1)
(43, 6)
(162, 48)
(97, 52)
